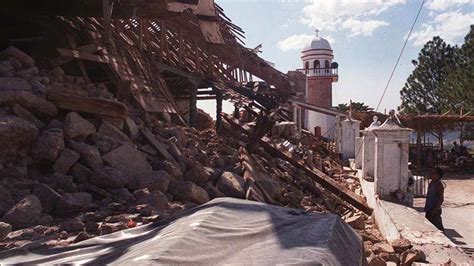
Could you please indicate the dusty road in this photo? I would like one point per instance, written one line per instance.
(458, 210)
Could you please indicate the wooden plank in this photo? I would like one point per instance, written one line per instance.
(107, 59)
(88, 105)
(88, 48)
(82, 68)
(318, 176)
(156, 144)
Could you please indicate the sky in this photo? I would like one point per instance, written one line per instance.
(366, 37)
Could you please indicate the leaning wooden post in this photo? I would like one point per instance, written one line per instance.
(107, 7)
(193, 105)
(218, 110)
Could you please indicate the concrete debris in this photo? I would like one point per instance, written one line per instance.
(5, 229)
(77, 127)
(98, 165)
(25, 213)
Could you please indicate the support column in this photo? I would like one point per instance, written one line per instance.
(218, 109)
(193, 105)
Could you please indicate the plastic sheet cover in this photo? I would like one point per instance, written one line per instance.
(222, 231)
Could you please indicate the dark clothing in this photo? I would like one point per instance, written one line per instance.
(436, 219)
(434, 199)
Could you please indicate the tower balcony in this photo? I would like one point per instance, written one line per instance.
(321, 72)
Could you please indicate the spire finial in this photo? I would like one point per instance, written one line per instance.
(317, 32)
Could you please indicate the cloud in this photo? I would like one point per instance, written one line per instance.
(362, 27)
(451, 26)
(358, 17)
(294, 42)
(299, 41)
(442, 5)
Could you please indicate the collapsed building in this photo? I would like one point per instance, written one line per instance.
(98, 122)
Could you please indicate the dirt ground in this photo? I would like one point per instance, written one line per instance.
(458, 210)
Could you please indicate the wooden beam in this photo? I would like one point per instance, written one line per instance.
(85, 104)
(156, 144)
(107, 7)
(107, 59)
(318, 176)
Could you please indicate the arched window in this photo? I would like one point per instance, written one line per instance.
(326, 66)
(316, 66)
(306, 67)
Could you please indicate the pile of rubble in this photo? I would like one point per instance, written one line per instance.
(77, 163)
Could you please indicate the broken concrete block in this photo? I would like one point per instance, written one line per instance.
(22, 113)
(382, 247)
(71, 203)
(109, 177)
(7, 200)
(16, 136)
(5, 229)
(131, 128)
(188, 191)
(80, 173)
(109, 130)
(401, 244)
(29, 101)
(14, 84)
(232, 185)
(158, 180)
(48, 146)
(198, 174)
(76, 126)
(90, 155)
(28, 74)
(25, 213)
(47, 196)
(6, 69)
(155, 198)
(65, 161)
(129, 160)
(356, 221)
(11, 51)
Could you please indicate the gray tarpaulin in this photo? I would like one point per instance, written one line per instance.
(222, 231)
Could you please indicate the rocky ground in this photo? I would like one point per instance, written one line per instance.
(76, 163)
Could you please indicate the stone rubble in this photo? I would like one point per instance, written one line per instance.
(75, 165)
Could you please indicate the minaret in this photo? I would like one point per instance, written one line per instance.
(320, 72)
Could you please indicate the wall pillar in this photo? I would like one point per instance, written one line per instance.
(349, 131)
(391, 160)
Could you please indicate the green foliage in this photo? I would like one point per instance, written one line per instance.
(458, 88)
(356, 106)
(422, 92)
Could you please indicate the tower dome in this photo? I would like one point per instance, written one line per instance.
(318, 43)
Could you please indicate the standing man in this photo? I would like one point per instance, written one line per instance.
(435, 198)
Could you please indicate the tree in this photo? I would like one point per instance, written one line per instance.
(356, 106)
(458, 88)
(422, 92)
